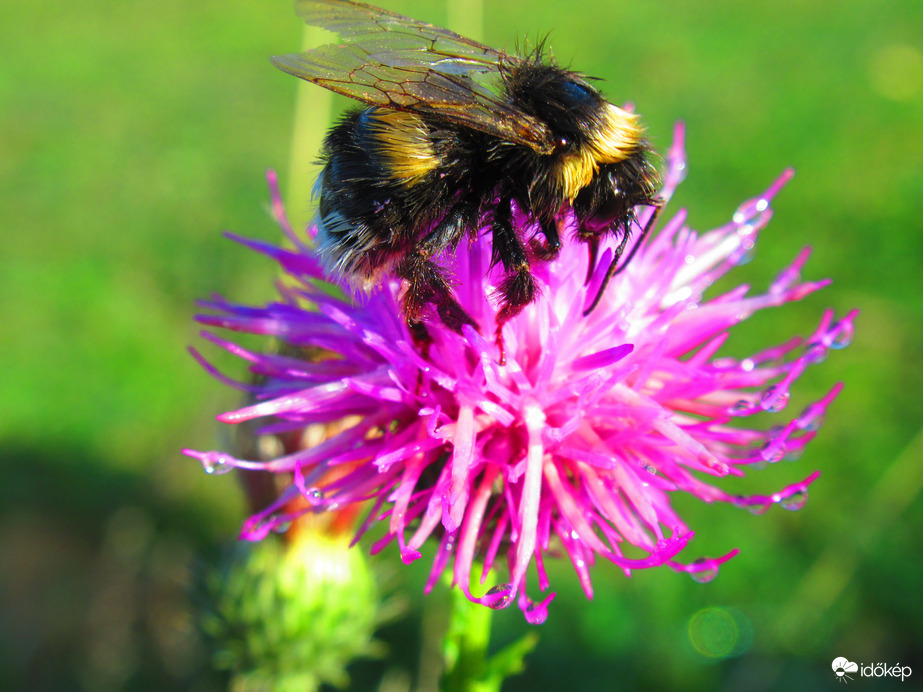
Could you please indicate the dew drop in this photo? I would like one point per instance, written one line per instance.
(773, 452)
(748, 210)
(774, 399)
(741, 407)
(745, 253)
(499, 596)
(776, 431)
(705, 574)
(747, 364)
(814, 424)
(815, 353)
(257, 528)
(795, 501)
(281, 527)
(314, 495)
(217, 464)
(535, 613)
(811, 418)
(794, 454)
(844, 335)
(757, 510)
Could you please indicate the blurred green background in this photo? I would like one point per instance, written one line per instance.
(132, 134)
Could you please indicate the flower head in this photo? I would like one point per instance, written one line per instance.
(573, 445)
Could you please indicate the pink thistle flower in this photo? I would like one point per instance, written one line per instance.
(575, 444)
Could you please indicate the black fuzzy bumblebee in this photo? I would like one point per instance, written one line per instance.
(454, 133)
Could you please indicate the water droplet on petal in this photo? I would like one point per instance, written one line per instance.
(742, 406)
(811, 418)
(794, 454)
(757, 510)
(217, 464)
(535, 613)
(774, 399)
(844, 335)
(706, 574)
(257, 528)
(748, 210)
(747, 364)
(795, 501)
(745, 253)
(498, 597)
(815, 353)
(281, 527)
(450, 543)
(314, 495)
(773, 452)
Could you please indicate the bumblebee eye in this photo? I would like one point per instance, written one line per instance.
(577, 93)
(563, 142)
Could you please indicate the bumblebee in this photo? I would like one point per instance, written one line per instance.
(453, 137)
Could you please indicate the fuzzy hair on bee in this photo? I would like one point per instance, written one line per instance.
(452, 137)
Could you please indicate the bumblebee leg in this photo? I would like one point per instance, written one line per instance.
(450, 230)
(592, 242)
(614, 269)
(421, 336)
(552, 246)
(421, 341)
(426, 283)
(518, 288)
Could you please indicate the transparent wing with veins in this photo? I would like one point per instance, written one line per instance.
(396, 62)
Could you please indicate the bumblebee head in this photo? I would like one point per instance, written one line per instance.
(589, 131)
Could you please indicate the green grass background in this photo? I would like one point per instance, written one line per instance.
(131, 134)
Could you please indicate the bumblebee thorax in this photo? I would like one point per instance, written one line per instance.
(612, 135)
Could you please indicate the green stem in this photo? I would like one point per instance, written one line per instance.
(467, 667)
(313, 108)
(464, 648)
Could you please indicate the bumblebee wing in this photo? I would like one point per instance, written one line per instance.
(396, 62)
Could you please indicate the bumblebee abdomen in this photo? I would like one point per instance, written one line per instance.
(378, 190)
(403, 144)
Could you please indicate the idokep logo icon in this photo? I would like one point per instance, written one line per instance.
(841, 667)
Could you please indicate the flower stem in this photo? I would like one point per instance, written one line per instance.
(313, 108)
(468, 668)
(464, 648)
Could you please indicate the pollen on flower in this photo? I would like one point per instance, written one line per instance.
(572, 446)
